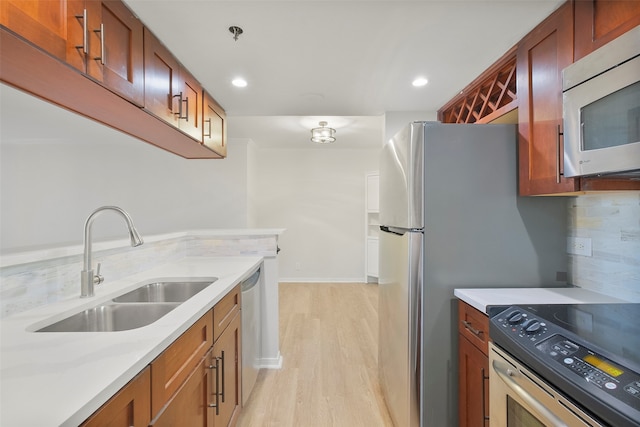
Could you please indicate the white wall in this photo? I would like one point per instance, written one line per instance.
(394, 121)
(57, 167)
(318, 196)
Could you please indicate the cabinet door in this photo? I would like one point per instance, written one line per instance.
(228, 351)
(597, 22)
(161, 80)
(116, 49)
(214, 126)
(190, 105)
(191, 405)
(541, 56)
(473, 385)
(131, 406)
(44, 23)
(170, 370)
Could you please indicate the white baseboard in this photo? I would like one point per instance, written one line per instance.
(271, 363)
(317, 280)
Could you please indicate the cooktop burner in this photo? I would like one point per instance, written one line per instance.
(591, 352)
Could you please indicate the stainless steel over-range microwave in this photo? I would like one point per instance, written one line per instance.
(601, 110)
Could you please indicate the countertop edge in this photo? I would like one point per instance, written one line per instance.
(481, 298)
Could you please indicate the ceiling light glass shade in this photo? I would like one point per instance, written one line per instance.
(323, 134)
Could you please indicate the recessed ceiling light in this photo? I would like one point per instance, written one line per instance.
(239, 82)
(420, 81)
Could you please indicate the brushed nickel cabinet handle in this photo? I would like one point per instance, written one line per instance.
(85, 45)
(485, 416)
(180, 102)
(101, 58)
(217, 404)
(208, 135)
(223, 376)
(558, 156)
(474, 331)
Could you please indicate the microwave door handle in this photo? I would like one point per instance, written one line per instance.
(508, 376)
(558, 155)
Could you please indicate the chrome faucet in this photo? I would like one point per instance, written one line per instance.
(87, 276)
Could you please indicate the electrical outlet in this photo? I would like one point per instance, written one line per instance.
(579, 246)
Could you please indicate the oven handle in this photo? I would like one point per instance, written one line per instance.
(509, 376)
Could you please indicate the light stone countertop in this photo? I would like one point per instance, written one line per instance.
(60, 379)
(481, 298)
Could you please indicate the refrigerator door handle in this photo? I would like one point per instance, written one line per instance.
(399, 231)
(393, 230)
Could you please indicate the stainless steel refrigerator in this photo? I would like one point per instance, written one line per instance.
(451, 218)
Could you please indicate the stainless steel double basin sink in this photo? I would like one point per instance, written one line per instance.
(134, 309)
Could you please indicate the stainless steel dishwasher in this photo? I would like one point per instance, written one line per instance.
(250, 288)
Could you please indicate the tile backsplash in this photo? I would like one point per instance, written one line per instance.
(612, 222)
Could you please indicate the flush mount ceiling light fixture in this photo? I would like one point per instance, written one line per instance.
(323, 134)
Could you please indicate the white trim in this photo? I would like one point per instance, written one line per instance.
(320, 280)
(270, 363)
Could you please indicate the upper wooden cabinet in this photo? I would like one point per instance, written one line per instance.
(175, 96)
(542, 55)
(162, 79)
(44, 23)
(488, 97)
(115, 55)
(597, 22)
(574, 30)
(214, 126)
(94, 57)
(102, 39)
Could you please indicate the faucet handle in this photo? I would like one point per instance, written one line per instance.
(97, 279)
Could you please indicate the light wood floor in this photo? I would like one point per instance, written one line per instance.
(329, 343)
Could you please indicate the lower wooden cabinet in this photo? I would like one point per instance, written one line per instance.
(131, 406)
(228, 352)
(172, 368)
(196, 381)
(473, 383)
(473, 367)
(191, 404)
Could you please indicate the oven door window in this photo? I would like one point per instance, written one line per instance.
(518, 416)
(613, 120)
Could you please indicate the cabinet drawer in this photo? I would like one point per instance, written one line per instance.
(224, 311)
(170, 370)
(474, 325)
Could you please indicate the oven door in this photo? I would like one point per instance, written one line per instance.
(518, 398)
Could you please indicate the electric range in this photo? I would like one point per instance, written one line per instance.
(588, 352)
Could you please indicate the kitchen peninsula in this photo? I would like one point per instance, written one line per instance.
(71, 374)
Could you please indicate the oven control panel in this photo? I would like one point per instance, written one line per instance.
(596, 370)
(568, 356)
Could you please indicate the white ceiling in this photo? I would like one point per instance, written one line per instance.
(340, 61)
